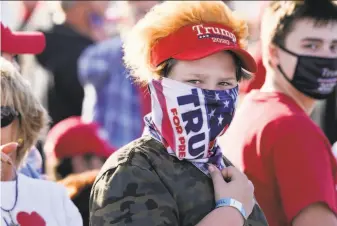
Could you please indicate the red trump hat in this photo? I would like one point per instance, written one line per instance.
(196, 41)
(72, 137)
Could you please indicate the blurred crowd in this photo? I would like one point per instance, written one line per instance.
(74, 64)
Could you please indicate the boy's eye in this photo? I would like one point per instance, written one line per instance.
(225, 84)
(333, 48)
(196, 82)
(311, 46)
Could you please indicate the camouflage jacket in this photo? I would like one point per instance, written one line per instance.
(142, 185)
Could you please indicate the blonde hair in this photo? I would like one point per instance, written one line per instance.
(168, 17)
(17, 93)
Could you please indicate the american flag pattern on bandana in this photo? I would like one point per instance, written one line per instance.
(187, 120)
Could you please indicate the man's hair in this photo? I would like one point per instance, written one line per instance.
(280, 16)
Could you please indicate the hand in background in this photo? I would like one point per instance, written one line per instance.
(7, 165)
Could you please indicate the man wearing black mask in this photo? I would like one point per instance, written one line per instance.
(271, 138)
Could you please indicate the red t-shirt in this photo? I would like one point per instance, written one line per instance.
(285, 155)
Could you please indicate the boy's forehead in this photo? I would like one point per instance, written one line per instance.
(309, 28)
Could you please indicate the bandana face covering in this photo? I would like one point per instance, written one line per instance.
(188, 120)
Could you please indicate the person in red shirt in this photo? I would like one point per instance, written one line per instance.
(271, 138)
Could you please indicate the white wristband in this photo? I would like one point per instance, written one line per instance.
(233, 203)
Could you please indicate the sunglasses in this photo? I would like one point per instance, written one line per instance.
(8, 115)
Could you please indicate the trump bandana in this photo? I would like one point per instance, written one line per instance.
(187, 120)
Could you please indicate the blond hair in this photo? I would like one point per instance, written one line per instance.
(17, 93)
(168, 17)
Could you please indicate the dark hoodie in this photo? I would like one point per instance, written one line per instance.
(63, 48)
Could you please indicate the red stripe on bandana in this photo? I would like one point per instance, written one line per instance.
(167, 130)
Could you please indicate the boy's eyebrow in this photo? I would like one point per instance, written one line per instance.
(198, 75)
(313, 39)
(334, 41)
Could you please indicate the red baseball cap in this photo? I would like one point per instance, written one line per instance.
(196, 41)
(72, 137)
(21, 42)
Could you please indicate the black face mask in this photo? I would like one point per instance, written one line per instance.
(316, 77)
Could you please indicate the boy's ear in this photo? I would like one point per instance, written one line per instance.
(273, 55)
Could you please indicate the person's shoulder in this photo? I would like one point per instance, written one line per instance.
(295, 126)
(42, 185)
(111, 47)
(297, 134)
(54, 31)
(276, 109)
(49, 30)
(296, 123)
(114, 42)
(272, 103)
(140, 153)
(128, 167)
(102, 54)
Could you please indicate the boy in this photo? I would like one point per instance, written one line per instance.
(271, 138)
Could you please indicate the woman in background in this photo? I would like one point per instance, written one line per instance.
(26, 201)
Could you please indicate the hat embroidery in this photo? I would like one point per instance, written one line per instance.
(214, 33)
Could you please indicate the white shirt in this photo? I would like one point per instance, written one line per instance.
(38, 201)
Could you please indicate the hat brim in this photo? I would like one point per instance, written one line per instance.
(248, 62)
(25, 43)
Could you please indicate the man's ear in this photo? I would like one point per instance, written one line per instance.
(273, 55)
